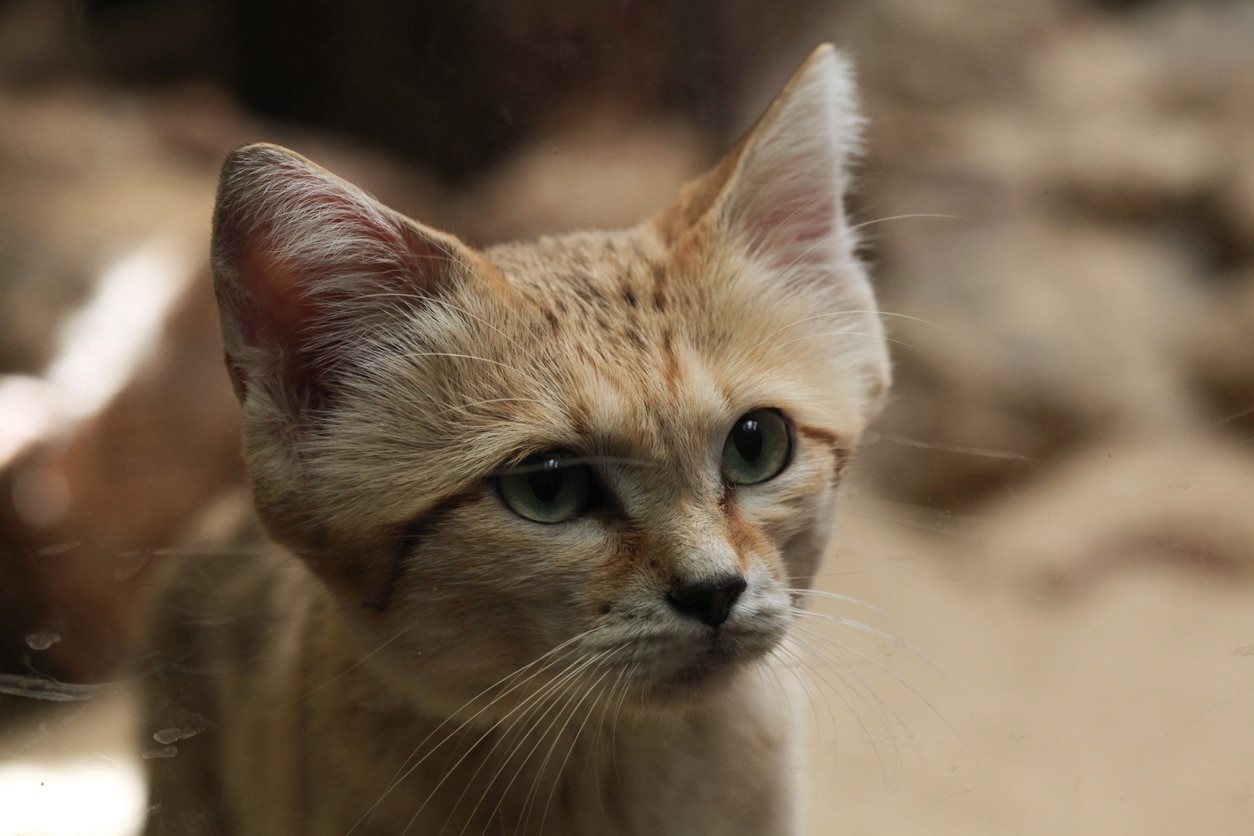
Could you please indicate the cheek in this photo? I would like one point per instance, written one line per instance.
(617, 562)
(796, 517)
(754, 549)
(550, 578)
(805, 549)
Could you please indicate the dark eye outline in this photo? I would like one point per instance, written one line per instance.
(515, 482)
(777, 464)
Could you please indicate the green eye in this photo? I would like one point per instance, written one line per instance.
(548, 487)
(757, 448)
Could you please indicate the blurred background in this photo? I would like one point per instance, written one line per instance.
(1055, 514)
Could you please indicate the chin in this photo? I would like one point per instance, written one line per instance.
(689, 686)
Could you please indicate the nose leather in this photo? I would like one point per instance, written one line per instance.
(707, 601)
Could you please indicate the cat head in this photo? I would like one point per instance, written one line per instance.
(616, 447)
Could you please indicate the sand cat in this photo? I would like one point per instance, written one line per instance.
(546, 509)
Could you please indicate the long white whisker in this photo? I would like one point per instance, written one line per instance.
(863, 224)
(569, 749)
(519, 710)
(352, 667)
(467, 407)
(837, 597)
(861, 692)
(609, 737)
(856, 687)
(850, 626)
(405, 769)
(455, 355)
(853, 312)
(892, 340)
(843, 665)
(783, 650)
(552, 695)
(847, 625)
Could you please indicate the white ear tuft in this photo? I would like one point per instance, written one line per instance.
(785, 198)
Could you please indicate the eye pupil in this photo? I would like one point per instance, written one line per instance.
(748, 440)
(546, 484)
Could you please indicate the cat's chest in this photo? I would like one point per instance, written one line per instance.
(556, 770)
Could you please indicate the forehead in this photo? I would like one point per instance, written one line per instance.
(645, 357)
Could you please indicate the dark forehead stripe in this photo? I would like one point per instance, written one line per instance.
(820, 435)
(671, 360)
(840, 449)
(409, 540)
(658, 271)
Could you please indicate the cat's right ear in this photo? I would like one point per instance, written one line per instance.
(304, 262)
(780, 193)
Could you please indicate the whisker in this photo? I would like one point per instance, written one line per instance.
(630, 672)
(405, 769)
(622, 685)
(846, 625)
(959, 448)
(855, 312)
(850, 626)
(787, 653)
(577, 460)
(554, 687)
(856, 685)
(892, 340)
(860, 693)
(837, 597)
(940, 215)
(351, 668)
(569, 749)
(466, 407)
(455, 355)
(1233, 417)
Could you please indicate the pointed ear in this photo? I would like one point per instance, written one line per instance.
(301, 259)
(780, 192)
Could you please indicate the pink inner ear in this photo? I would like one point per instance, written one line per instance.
(281, 304)
(291, 277)
(304, 265)
(794, 229)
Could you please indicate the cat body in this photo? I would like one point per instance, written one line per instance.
(547, 507)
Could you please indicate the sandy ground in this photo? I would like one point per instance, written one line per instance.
(1129, 711)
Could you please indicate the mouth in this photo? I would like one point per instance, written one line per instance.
(698, 676)
(691, 669)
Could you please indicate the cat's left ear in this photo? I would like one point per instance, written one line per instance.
(780, 192)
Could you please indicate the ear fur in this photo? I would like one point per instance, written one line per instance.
(780, 192)
(298, 254)
(787, 197)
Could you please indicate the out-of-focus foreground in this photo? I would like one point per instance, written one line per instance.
(1054, 518)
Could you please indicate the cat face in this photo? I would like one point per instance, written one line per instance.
(593, 464)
